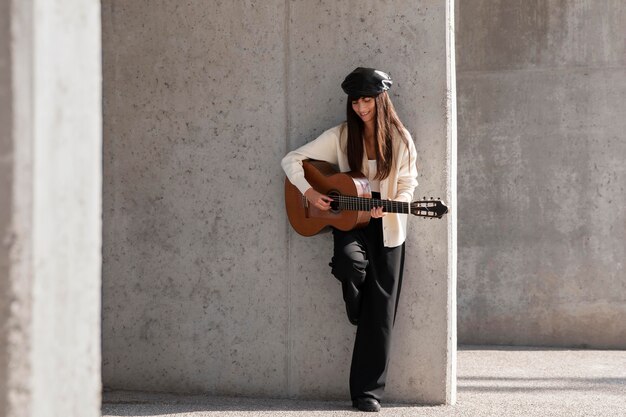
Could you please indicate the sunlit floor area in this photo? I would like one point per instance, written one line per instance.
(492, 381)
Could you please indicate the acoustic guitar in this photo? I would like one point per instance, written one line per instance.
(352, 201)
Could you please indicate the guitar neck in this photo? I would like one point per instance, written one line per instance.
(366, 204)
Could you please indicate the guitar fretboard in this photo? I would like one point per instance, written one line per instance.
(366, 204)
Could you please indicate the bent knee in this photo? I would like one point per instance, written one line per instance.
(347, 268)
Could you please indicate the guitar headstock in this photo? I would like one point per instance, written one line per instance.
(435, 209)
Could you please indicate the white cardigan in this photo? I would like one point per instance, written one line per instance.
(330, 146)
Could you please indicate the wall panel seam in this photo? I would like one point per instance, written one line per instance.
(286, 34)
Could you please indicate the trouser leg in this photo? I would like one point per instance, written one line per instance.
(370, 358)
(349, 265)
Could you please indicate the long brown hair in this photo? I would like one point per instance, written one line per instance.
(386, 120)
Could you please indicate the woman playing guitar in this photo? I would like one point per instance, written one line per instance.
(368, 261)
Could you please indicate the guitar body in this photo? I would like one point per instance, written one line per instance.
(352, 201)
(306, 219)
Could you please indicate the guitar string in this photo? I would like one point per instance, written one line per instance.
(365, 204)
(390, 206)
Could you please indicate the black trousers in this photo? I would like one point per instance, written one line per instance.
(371, 279)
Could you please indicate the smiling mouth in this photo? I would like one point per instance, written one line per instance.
(364, 114)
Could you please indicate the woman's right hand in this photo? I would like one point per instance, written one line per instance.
(318, 200)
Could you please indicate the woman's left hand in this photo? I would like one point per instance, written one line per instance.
(377, 212)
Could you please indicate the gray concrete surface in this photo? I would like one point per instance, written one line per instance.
(50, 208)
(542, 144)
(205, 287)
(13, 326)
(493, 382)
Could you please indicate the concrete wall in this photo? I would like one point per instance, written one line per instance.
(50, 209)
(205, 286)
(13, 326)
(541, 92)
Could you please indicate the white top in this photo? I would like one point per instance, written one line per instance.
(330, 146)
(374, 183)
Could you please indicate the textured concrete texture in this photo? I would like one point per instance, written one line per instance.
(500, 381)
(12, 326)
(541, 91)
(205, 287)
(50, 209)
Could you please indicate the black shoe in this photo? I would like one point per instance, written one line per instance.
(366, 404)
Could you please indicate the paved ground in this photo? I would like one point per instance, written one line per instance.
(502, 382)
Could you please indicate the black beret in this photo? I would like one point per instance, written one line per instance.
(366, 82)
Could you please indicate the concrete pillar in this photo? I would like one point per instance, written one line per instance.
(407, 39)
(50, 228)
(205, 286)
(542, 87)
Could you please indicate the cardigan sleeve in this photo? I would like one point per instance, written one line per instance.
(323, 148)
(407, 173)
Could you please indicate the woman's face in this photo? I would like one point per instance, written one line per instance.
(365, 107)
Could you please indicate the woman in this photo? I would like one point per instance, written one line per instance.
(367, 261)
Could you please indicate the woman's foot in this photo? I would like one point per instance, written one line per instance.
(366, 404)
